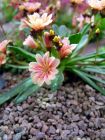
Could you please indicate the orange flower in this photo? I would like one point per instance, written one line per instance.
(97, 4)
(44, 70)
(67, 48)
(29, 41)
(30, 6)
(37, 22)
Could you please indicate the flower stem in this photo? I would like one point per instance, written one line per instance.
(3, 31)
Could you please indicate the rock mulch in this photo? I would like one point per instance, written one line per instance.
(74, 112)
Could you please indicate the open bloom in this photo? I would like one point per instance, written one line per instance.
(97, 4)
(77, 1)
(30, 6)
(37, 22)
(67, 48)
(29, 41)
(44, 70)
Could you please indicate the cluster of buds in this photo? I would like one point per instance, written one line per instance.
(51, 39)
(63, 46)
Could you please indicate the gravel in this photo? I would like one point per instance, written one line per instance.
(74, 112)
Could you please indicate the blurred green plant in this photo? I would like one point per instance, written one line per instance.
(8, 11)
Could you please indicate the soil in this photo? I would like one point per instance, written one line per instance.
(74, 112)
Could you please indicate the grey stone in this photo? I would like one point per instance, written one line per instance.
(40, 135)
(52, 130)
(65, 133)
(5, 137)
(17, 136)
(19, 108)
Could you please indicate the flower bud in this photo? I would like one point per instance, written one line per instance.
(47, 40)
(52, 33)
(56, 39)
(30, 42)
(97, 31)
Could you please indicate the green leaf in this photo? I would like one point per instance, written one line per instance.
(27, 31)
(95, 70)
(86, 58)
(97, 18)
(22, 52)
(54, 52)
(85, 29)
(63, 31)
(55, 28)
(75, 38)
(80, 46)
(57, 82)
(95, 78)
(28, 92)
(102, 24)
(17, 66)
(4, 97)
(89, 81)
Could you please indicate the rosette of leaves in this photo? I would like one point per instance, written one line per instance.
(88, 67)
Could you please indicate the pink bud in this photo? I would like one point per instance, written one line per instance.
(3, 45)
(67, 48)
(47, 40)
(30, 42)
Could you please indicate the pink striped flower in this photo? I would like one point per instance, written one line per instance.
(67, 48)
(30, 42)
(44, 70)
